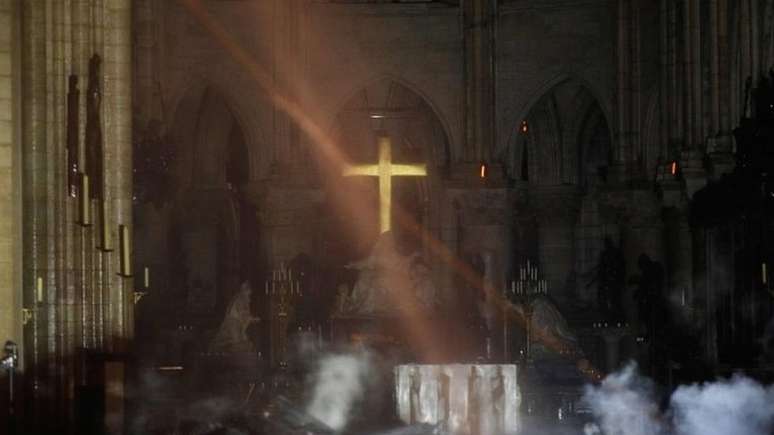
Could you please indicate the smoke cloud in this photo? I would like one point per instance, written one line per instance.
(624, 403)
(339, 383)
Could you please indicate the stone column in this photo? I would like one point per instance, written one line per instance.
(82, 300)
(479, 21)
(287, 67)
(10, 206)
(557, 209)
(485, 230)
(290, 223)
(623, 148)
(117, 107)
(11, 295)
(642, 233)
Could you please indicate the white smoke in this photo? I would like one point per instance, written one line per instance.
(339, 383)
(738, 406)
(624, 403)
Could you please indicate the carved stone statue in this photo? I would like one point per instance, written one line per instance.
(94, 166)
(232, 335)
(389, 282)
(549, 330)
(610, 278)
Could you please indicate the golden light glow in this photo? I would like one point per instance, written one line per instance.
(524, 127)
(385, 170)
(483, 170)
(673, 167)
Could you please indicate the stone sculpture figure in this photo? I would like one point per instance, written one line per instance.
(73, 121)
(550, 332)
(94, 164)
(389, 282)
(232, 335)
(651, 307)
(610, 278)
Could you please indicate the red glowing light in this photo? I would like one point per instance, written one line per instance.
(673, 168)
(483, 170)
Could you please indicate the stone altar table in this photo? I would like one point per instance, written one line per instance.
(465, 399)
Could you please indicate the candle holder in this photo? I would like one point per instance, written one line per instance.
(524, 292)
(281, 290)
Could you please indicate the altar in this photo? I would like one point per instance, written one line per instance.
(469, 399)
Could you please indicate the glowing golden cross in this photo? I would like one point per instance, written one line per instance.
(385, 170)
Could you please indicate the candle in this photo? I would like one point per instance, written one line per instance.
(39, 290)
(125, 262)
(85, 201)
(764, 278)
(105, 233)
(146, 277)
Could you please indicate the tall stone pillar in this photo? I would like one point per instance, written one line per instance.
(10, 298)
(479, 21)
(10, 200)
(81, 302)
(287, 75)
(485, 233)
(290, 222)
(641, 233)
(557, 209)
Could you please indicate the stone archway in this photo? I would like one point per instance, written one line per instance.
(417, 136)
(204, 241)
(563, 139)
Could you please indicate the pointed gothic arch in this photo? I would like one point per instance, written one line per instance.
(564, 134)
(211, 223)
(440, 154)
(418, 136)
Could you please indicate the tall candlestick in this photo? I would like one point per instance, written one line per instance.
(146, 277)
(39, 290)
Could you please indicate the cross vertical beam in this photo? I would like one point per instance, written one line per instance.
(385, 170)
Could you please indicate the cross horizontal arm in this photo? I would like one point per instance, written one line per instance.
(350, 170)
(413, 170)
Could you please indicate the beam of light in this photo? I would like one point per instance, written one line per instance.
(417, 324)
(417, 327)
